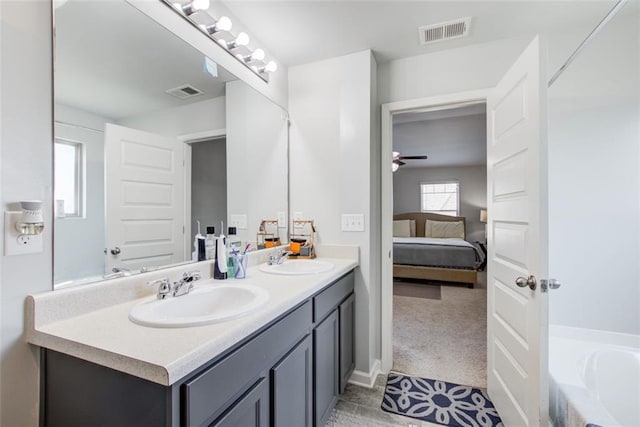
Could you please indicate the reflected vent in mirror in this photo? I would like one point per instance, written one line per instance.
(184, 91)
(444, 31)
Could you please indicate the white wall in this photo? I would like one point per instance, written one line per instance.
(594, 183)
(333, 153)
(26, 143)
(83, 235)
(256, 159)
(186, 119)
(473, 192)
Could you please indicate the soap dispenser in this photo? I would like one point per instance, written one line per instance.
(220, 266)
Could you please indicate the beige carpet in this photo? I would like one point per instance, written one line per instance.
(442, 339)
(416, 290)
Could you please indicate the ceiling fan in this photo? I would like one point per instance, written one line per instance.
(398, 160)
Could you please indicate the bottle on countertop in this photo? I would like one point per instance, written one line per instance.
(210, 243)
(220, 266)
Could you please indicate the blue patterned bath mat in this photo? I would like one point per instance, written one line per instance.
(439, 402)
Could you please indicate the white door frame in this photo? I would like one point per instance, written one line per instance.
(388, 110)
(189, 139)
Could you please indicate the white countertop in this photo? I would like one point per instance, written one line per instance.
(107, 337)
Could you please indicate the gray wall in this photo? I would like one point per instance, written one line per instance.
(594, 183)
(335, 171)
(209, 184)
(25, 162)
(473, 192)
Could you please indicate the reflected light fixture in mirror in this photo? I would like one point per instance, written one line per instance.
(254, 60)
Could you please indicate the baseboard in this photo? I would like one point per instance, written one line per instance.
(366, 379)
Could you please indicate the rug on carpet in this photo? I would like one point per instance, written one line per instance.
(416, 290)
(439, 402)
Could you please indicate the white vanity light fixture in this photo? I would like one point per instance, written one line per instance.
(191, 7)
(241, 39)
(220, 32)
(269, 68)
(222, 24)
(23, 229)
(256, 55)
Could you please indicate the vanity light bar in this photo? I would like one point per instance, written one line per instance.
(253, 60)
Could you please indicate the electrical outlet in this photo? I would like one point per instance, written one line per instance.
(16, 243)
(238, 221)
(282, 219)
(352, 222)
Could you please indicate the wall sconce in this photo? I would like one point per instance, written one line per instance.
(219, 32)
(23, 229)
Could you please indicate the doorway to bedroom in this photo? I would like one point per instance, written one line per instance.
(439, 243)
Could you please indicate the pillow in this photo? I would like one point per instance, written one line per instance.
(412, 227)
(402, 228)
(444, 229)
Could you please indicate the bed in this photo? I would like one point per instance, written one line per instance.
(443, 255)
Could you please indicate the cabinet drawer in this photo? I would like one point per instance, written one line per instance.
(327, 300)
(208, 393)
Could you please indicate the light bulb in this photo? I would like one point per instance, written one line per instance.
(199, 5)
(394, 166)
(271, 67)
(257, 55)
(222, 42)
(395, 154)
(224, 24)
(242, 39)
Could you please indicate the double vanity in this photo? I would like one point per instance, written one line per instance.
(276, 348)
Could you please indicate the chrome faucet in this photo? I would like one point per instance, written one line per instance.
(164, 287)
(185, 284)
(277, 257)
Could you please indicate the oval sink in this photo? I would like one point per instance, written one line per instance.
(298, 267)
(202, 306)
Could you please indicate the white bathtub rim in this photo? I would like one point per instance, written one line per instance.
(620, 339)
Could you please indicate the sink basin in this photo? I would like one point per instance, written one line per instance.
(202, 306)
(297, 267)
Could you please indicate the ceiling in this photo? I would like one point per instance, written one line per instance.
(302, 31)
(452, 137)
(113, 61)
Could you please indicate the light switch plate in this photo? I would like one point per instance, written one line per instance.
(238, 221)
(352, 222)
(16, 244)
(282, 219)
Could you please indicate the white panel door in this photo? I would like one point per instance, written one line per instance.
(517, 318)
(144, 199)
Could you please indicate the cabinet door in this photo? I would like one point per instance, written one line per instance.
(291, 382)
(347, 359)
(251, 410)
(326, 378)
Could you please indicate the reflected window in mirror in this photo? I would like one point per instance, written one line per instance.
(68, 179)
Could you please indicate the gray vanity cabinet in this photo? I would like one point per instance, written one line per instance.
(289, 373)
(291, 385)
(326, 338)
(251, 410)
(347, 355)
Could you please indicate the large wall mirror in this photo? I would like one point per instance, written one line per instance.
(151, 137)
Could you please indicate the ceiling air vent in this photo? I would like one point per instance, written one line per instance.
(444, 31)
(184, 91)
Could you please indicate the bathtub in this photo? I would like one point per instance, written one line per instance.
(594, 378)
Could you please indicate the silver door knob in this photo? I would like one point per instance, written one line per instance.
(115, 251)
(525, 282)
(549, 284)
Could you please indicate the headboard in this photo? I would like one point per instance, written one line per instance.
(422, 217)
